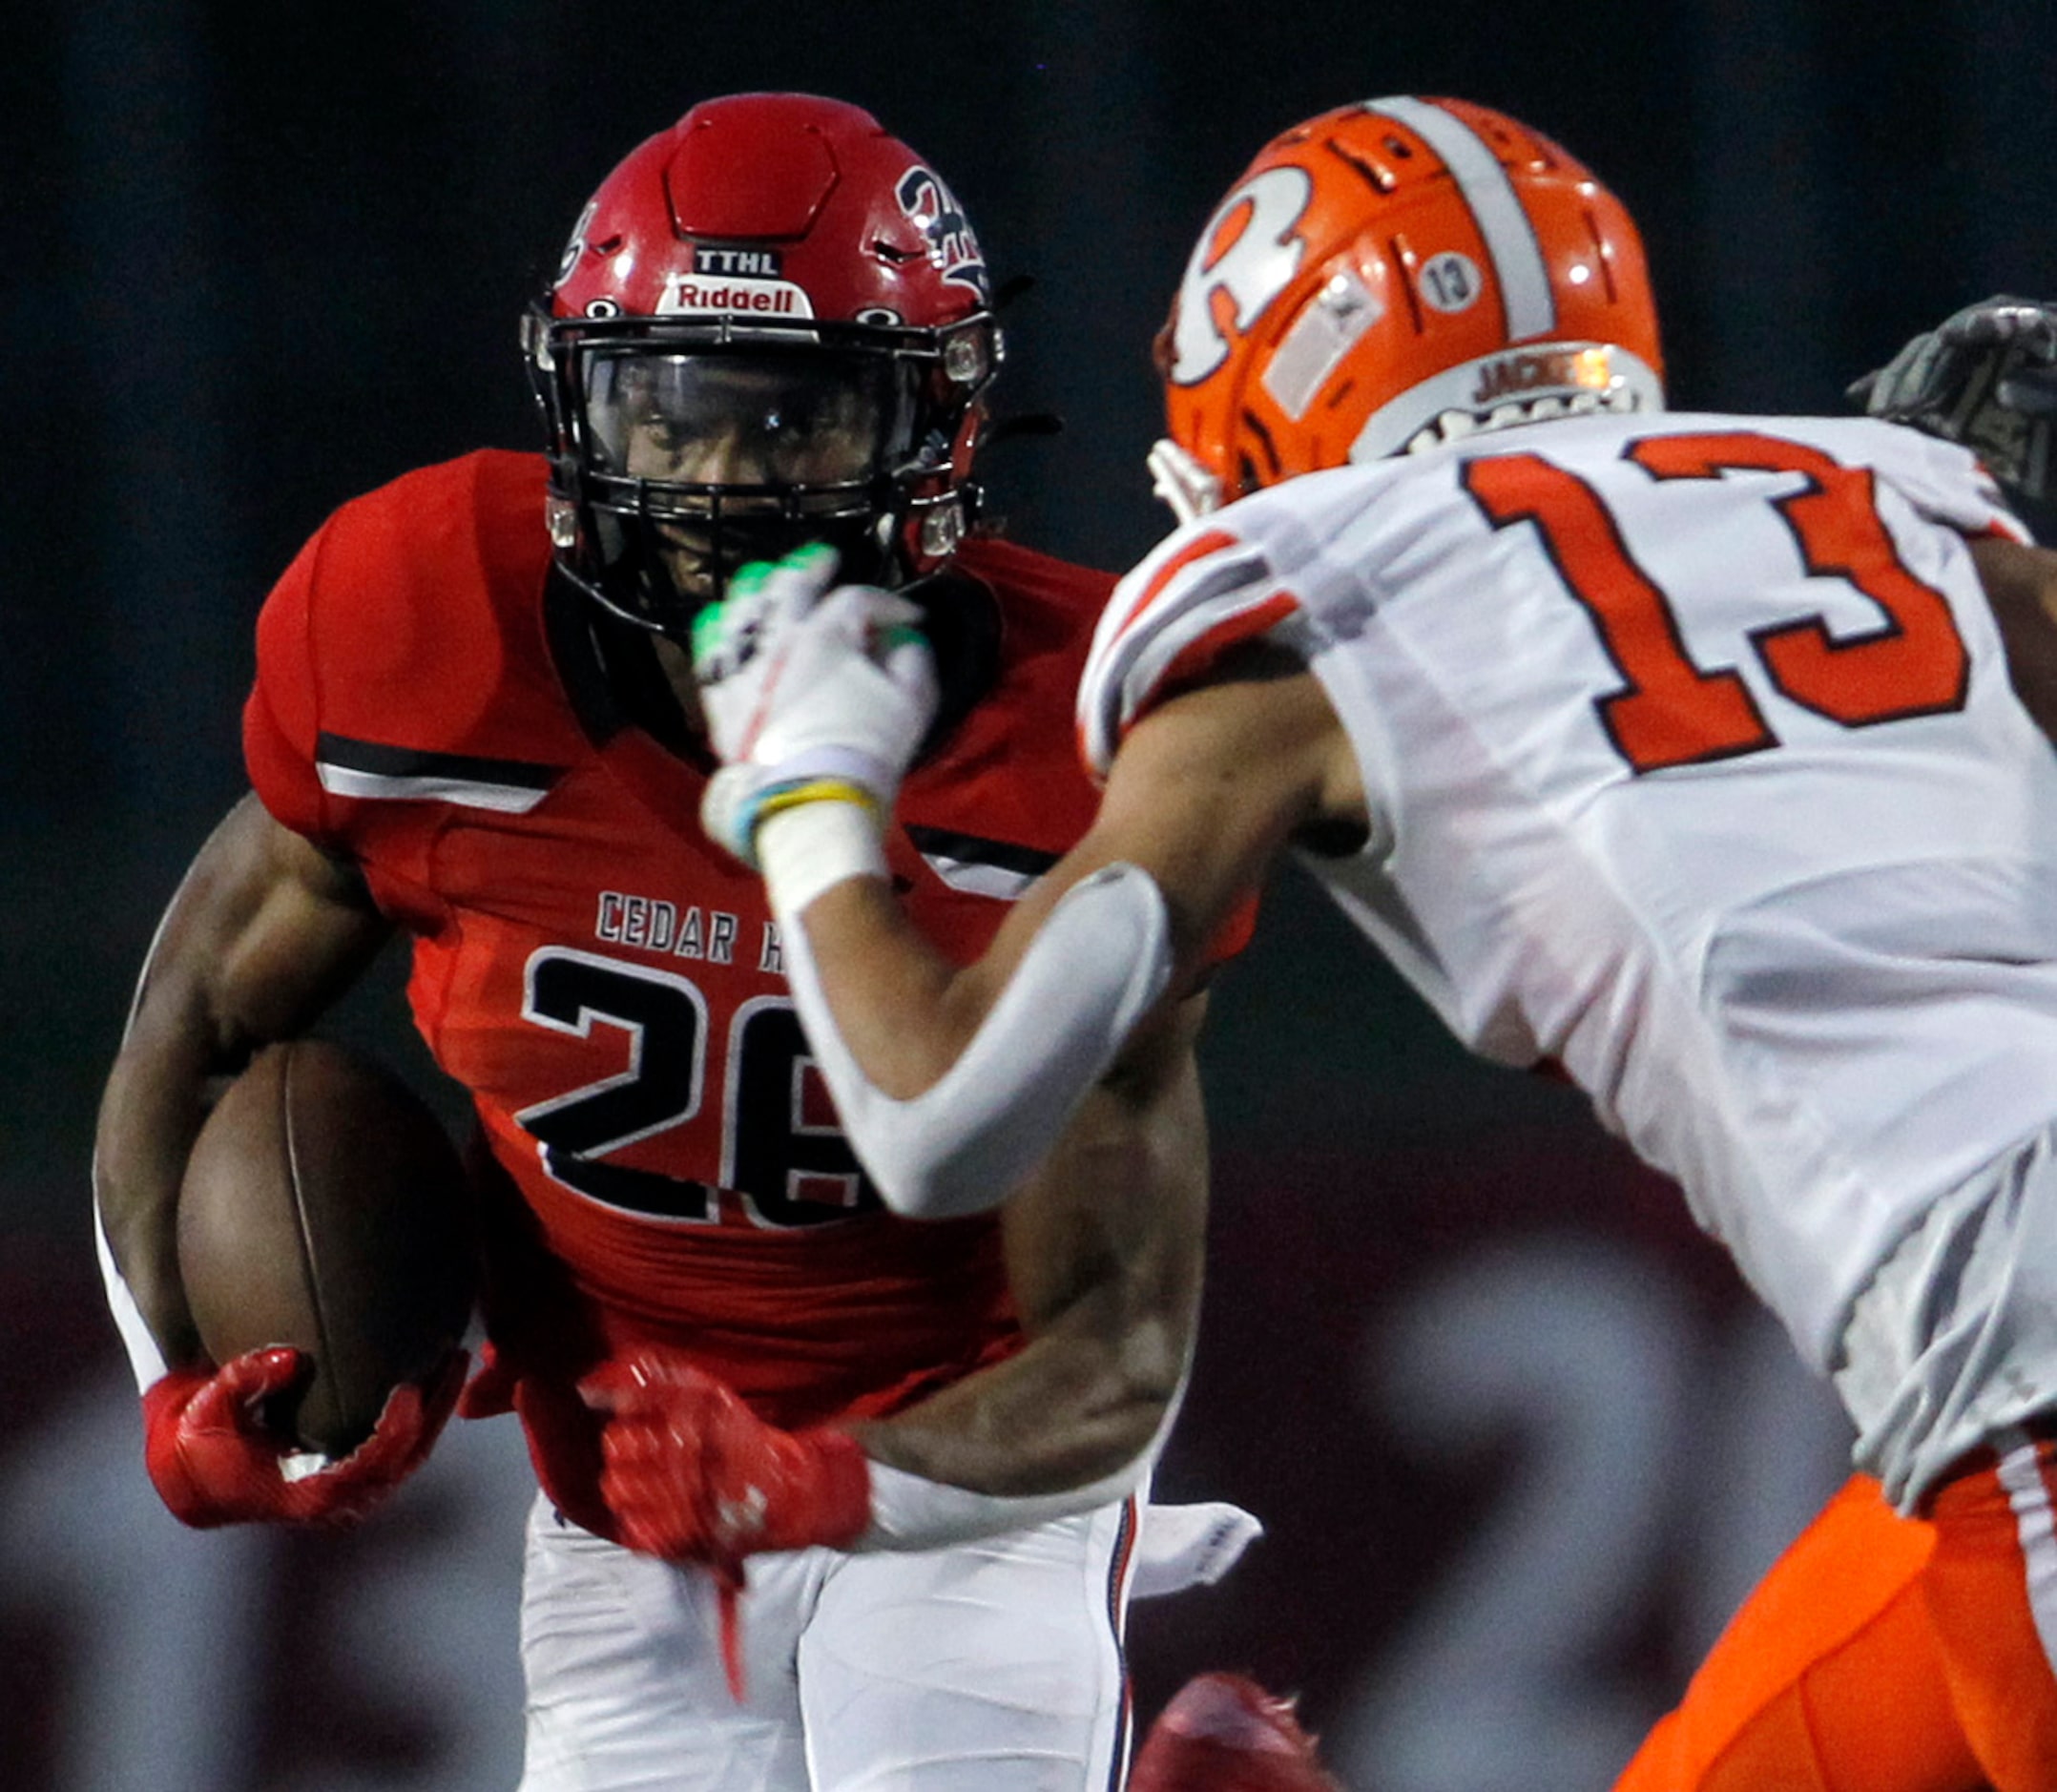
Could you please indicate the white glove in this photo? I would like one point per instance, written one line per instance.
(740, 643)
(808, 698)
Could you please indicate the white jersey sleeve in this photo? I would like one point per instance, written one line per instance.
(1206, 588)
(1202, 591)
(1944, 483)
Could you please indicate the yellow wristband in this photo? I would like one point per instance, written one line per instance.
(813, 790)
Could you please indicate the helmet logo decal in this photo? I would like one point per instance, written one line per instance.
(1319, 341)
(929, 206)
(752, 264)
(1450, 282)
(1250, 250)
(574, 248)
(687, 294)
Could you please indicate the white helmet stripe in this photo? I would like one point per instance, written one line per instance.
(1510, 239)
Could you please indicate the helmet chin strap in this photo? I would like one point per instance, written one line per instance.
(1180, 480)
(666, 608)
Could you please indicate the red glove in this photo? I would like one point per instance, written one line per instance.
(691, 1474)
(1224, 1733)
(213, 1462)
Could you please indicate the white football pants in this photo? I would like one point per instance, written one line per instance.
(993, 1666)
(1953, 1342)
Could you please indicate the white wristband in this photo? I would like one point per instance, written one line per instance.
(812, 847)
(908, 1512)
(1177, 1546)
(145, 1359)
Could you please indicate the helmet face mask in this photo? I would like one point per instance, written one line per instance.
(770, 327)
(1388, 276)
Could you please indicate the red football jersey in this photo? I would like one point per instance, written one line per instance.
(608, 984)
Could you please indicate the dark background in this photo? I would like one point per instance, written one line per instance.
(1518, 1439)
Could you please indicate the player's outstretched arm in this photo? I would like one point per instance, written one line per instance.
(1105, 1245)
(953, 1081)
(1206, 791)
(262, 934)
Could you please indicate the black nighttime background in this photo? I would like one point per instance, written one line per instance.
(1519, 1441)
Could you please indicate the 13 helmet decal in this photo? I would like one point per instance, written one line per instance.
(771, 324)
(1389, 276)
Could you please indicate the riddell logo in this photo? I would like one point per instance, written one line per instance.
(1512, 375)
(757, 298)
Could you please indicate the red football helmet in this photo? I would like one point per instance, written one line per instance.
(1225, 1733)
(1389, 276)
(771, 326)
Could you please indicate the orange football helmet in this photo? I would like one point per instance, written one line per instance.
(1389, 276)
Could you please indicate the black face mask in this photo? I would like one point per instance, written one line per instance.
(695, 463)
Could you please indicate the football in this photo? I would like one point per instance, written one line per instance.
(324, 1207)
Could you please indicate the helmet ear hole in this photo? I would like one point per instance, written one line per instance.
(1254, 427)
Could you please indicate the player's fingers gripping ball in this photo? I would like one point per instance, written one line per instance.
(341, 1491)
(214, 1461)
(408, 1424)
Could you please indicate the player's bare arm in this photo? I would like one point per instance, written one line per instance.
(1104, 1249)
(2021, 584)
(264, 933)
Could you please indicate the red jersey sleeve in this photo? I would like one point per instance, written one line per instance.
(411, 623)
(281, 719)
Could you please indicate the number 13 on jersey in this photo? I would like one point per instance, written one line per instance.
(1671, 711)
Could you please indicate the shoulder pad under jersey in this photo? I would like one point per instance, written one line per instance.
(403, 655)
(1202, 591)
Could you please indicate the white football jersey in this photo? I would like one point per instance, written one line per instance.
(1692, 766)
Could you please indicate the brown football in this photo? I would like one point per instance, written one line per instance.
(324, 1207)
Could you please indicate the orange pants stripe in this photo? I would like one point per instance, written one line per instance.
(1991, 1590)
